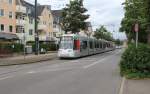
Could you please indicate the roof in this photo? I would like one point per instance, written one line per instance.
(57, 14)
(31, 8)
(40, 9)
(88, 24)
(8, 36)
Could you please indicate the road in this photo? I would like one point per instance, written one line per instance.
(98, 74)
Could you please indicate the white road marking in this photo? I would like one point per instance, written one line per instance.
(7, 77)
(122, 85)
(90, 65)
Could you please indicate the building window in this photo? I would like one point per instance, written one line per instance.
(10, 28)
(1, 12)
(31, 20)
(30, 32)
(1, 27)
(10, 15)
(10, 1)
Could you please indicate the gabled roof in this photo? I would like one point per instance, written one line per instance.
(40, 9)
(57, 15)
(88, 24)
(31, 8)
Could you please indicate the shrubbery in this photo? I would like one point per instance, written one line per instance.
(47, 47)
(14, 47)
(135, 62)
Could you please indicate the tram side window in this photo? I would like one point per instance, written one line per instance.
(95, 44)
(91, 45)
(101, 46)
(84, 44)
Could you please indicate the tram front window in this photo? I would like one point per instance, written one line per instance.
(66, 43)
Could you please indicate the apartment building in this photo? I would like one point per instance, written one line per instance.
(45, 23)
(24, 21)
(7, 17)
(57, 15)
(88, 32)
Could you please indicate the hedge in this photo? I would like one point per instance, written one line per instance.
(135, 62)
(46, 46)
(14, 47)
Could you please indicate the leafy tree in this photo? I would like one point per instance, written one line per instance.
(102, 33)
(148, 18)
(73, 17)
(136, 11)
(118, 42)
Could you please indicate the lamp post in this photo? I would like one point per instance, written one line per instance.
(36, 32)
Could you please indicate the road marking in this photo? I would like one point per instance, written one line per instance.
(90, 65)
(3, 78)
(122, 85)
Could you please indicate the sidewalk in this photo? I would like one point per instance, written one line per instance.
(137, 86)
(27, 59)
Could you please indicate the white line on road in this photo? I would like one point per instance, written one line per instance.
(122, 85)
(90, 65)
(3, 78)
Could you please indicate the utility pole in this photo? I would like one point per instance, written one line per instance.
(36, 32)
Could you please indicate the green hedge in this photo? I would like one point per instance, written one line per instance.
(135, 62)
(14, 48)
(46, 46)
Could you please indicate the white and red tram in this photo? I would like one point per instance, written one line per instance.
(73, 46)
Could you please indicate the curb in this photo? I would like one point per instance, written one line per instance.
(121, 90)
(28, 60)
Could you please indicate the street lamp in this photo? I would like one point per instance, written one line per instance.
(36, 32)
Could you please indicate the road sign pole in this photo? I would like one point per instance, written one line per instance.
(136, 28)
(137, 35)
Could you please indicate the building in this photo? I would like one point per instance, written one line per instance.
(58, 31)
(88, 32)
(45, 23)
(7, 19)
(25, 21)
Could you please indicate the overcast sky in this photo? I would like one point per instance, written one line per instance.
(102, 12)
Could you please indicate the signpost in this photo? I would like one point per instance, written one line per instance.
(136, 29)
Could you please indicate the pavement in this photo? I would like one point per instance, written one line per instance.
(136, 86)
(26, 59)
(97, 74)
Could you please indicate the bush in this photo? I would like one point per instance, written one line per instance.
(18, 48)
(135, 62)
(46, 46)
(14, 47)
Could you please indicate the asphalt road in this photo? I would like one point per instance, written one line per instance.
(98, 74)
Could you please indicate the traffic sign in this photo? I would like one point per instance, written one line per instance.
(136, 27)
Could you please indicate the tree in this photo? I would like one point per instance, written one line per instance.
(74, 17)
(148, 18)
(136, 11)
(118, 42)
(102, 33)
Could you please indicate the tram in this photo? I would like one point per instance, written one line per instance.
(74, 46)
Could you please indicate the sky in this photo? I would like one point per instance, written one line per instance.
(102, 12)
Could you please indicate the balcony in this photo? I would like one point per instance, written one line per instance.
(41, 27)
(20, 22)
(42, 37)
(20, 9)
